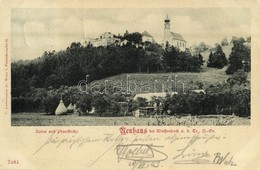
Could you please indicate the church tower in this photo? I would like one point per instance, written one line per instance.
(167, 30)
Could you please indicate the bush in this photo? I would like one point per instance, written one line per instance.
(239, 77)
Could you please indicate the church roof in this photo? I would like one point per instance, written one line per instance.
(145, 33)
(177, 36)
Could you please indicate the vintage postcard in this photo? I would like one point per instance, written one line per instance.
(129, 85)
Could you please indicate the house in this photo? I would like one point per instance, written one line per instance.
(148, 110)
(173, 38)
(149, 96)
(124, 42)
(199, 91)
(104, 39)
(146, 37)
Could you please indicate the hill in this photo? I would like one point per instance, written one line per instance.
(207, 76)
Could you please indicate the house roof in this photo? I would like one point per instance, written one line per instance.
(177, 36)
(199, 91)
(145, 33)
(148, 96)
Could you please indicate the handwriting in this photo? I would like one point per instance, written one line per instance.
(141, 155)
(225, 159)
(205, 138)
(191, 158)
(189, 155)
(109, 138)
(73, 140)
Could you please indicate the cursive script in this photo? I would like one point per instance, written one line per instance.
(141, 155)
(223, 159)
(191, 157)
(71, 141)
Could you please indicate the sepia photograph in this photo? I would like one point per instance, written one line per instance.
(132, 85)
(130, 66)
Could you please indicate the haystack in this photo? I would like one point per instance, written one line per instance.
(70, 108)
(61, 109)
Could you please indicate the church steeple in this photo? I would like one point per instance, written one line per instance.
(167, 22)
(167, 30)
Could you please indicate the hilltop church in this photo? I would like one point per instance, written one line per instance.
(172, 38)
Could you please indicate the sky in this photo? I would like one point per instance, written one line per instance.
(34, 31)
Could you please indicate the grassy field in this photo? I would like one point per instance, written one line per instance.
(41, 119)
(211, 76)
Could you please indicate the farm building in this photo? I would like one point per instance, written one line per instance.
(149, 96)
(148, 110)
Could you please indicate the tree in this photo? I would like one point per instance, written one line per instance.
(142, 102)
(170, 59)
(126, 33)
(135, 37)
(200, 48)
(234, 38)
(224, 42)
(54, 81)
(85, 103)
(240, 57)
(101, 103)
(210, 60)
(217, 59)
(197, 63)
(248, 39)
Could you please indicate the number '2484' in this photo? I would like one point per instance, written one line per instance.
(13, 162)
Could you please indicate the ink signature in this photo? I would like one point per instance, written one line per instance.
(141, 155)
(223, 159)
(189, 155)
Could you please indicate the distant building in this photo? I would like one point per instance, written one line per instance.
(150, 109)
(199, 91)
(149, 96)
(146, 37)
(104, 39)
(124, 42)
(172, 38)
